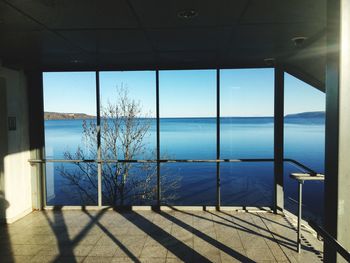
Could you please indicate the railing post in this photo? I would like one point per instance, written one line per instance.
(98, 126)
(300, 206)
(278, 139)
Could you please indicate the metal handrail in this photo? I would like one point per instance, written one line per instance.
(307, 169)
(331, 241)
(300, 165)
(147, 161)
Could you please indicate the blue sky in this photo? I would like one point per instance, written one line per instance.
(183, 93)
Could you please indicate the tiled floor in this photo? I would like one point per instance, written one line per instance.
(146, 236)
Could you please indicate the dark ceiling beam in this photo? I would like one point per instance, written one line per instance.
(164, 66)
(63, 29)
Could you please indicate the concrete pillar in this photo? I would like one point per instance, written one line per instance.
(337, 164)
(278, 139)
(3, 147)
(15, 181)
(36, 135)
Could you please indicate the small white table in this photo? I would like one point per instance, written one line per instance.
(301, 178)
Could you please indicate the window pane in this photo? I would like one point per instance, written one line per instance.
(304, 141)
(129, 184)
(188, 183)
(247, 184)
(128, 131)
(246, 108)
(188, 131)
(70, 108)
(128, 111)
(246, 131)
(304, 123)
(71, 184)
(187, 111)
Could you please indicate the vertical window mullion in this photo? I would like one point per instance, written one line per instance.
(98, 126)
(278, 139)
(218, 194)
(158, 140)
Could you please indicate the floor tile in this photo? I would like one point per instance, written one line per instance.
(147, 236)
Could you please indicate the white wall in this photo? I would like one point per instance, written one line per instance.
(16, 176)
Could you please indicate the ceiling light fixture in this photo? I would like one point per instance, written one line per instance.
(187, 14)
(75, 61)
(298, 41)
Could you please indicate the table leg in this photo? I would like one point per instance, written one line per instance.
(300, 191)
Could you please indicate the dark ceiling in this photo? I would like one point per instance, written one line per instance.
(140, 34)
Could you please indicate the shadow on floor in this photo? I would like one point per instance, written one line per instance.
(178, 248)
(288, 243)
(165, 239)
(207, 238)
(114, 239)
(5, 241)
(182, 250)
(66, 245)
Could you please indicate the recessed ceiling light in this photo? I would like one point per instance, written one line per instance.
(75, 61)
(298, 41)
(187, 14)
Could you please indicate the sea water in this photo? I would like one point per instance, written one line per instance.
(242, 184)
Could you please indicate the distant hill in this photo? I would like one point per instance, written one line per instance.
(66, 116)
(311, 114)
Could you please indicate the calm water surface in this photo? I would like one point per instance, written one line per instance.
(249, 184)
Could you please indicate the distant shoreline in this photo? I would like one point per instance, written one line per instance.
(309, 114)
(67, 116)
(83, 116)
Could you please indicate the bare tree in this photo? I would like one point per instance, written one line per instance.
(124, 134)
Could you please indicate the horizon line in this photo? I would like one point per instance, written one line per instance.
(256, 116)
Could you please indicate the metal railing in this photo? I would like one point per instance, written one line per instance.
(308, 172)
(252, 160)
(331, 241)
(160, 161)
